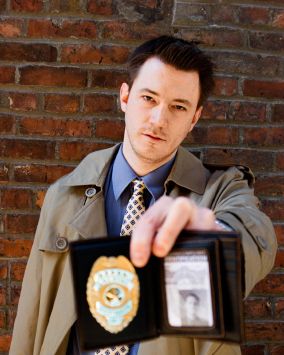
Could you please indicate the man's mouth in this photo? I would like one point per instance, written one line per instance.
(154, 137)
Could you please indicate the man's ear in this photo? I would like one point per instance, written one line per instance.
(196, 117)
(124, 94)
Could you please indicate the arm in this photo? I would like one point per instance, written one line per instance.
(233, 202)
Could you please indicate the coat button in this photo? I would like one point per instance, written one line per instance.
(90, 192)
(61, 243)
(261, 241)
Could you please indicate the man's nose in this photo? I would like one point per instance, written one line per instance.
(159, 115)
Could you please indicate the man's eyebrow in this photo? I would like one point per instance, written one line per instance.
(182, 101)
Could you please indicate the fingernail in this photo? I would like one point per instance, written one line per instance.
(138, 259)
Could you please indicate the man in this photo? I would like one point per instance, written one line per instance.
(169, 81)
(190, 310)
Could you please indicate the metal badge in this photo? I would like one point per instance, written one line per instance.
(113, 292)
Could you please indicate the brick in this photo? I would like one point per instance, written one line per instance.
(247, 111)
(27, 5)
(65, 6)
(273, 208)
(247, 64)
(269, 185)
(50, 76)
(78, 150)
(5, 341)
(101, 7)
(267, 89)
(225, 86)
(3, 297)
(266, 41)
(254, 15)
(280, 161)
(20, 223)
(213, 135)
(95, 103)
(270, 136)
(62, 29)
(62, 103)
(3, 270)
(268, 331)
(17, 271)
(279, 230)
(187, 14)
(108, 78)
(2, 318)
(40, 195)
(55, 127)
(7, 124)
(257, 308)
(215, 110)
(87, 54)
(15, 291)
(278, 18)
(30, 149)
(253, 349)
(16, 198)
(118, 30)
(279, 261)
(10, 28)
(40, 173)
(278, 113)
(15, 248)
(4, 172)
(222, 14)
(7, 75)
(256, 160)
(27, 52)
(23, 101)
(271, 284)
(215, 37)
(110, 129)
(276, 349)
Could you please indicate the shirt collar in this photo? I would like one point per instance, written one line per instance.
(154, 181)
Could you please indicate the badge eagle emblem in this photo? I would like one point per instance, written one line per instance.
(113, 292)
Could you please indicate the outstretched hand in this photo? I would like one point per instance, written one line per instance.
(158, 228)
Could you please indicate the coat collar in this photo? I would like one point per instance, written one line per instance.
(187, 171)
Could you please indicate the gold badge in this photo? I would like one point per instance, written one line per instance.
(113, 292)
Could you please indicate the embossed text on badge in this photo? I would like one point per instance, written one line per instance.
(113, 292)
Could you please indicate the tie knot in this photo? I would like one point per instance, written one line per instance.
(139, 187)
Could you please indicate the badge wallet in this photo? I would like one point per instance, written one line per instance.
(203, 272)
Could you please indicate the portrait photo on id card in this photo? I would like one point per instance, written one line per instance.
(188, 289)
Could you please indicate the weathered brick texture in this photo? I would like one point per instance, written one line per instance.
(61, 64)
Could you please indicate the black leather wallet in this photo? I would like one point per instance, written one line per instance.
(196, 291)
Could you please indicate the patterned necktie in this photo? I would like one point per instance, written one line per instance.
(135, 208)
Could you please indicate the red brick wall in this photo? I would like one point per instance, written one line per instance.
(61, 62)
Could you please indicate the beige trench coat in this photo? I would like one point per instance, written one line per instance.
(46, 310)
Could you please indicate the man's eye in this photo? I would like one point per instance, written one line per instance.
(148, 98)
(180, 108)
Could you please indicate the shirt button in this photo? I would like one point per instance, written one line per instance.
(90, 192)
(61, 243)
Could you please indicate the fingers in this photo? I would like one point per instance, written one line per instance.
(179, 216)
(157, 230)
(146, 229)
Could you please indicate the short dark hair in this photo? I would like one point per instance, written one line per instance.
(181, 54)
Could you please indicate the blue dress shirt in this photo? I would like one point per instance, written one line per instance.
(118, 190)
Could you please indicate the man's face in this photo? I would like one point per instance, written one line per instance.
(160, 110)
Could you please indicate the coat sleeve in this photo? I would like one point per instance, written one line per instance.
(237, 206)
(25, 326)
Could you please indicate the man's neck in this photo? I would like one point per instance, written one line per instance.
(142, 166)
